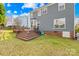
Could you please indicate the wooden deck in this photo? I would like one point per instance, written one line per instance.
(27, 35)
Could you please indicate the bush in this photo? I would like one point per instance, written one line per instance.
(77, 30)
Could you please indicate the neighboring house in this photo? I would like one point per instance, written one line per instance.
(76, 23)
(76, 20)
(23, 20)
(9, 21)
(55, 19)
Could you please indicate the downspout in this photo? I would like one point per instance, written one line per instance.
(74, 20)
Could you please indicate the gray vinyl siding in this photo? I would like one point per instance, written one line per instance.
(46, 21)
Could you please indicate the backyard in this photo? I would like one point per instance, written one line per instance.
(42, 46)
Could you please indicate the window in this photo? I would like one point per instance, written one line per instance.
(60, 23)
(44, 11)
(61, 6)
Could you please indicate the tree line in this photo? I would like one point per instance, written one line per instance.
(2, 14)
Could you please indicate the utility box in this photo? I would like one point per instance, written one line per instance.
(42, 33)
(66, 34)
(77, 35)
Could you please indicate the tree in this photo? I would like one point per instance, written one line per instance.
(2, 14)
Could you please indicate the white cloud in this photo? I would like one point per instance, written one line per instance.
(8, 11)
(8, 4)
(15, 11)
(29, 5)
(42, 4)
(24, 14)
(14, 16)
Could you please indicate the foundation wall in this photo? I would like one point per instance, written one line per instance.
(61, 34)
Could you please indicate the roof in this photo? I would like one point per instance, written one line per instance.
(42, 7)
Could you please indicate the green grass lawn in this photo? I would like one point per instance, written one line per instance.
(43, 46)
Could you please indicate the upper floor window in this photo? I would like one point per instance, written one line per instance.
(44, 11)
(41, 11)
(61, 6)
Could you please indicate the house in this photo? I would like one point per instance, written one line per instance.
(22, 20)
(9, 21)
(54, 19)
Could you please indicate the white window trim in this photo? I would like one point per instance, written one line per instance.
(60, 28)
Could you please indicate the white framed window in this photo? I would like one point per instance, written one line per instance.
(59, 23)
(41, 11)
(44, 11)
(61, 6)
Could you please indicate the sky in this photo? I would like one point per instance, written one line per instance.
(15, 9)
(24, 8)
(21, 8)
(77, 9)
